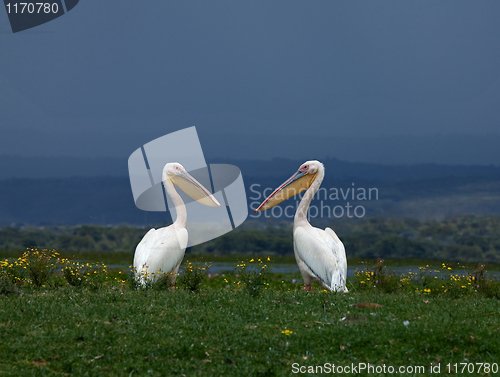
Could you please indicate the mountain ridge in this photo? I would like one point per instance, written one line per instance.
(12, 166)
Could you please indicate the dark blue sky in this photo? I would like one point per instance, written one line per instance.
(383, 81)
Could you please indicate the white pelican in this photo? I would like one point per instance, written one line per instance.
(319, 253)
(163, 249)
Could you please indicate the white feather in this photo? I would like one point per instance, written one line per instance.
(161, 250)
(321, 257)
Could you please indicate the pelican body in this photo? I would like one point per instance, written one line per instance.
(162, 250)
(319, 253)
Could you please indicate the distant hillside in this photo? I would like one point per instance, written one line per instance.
(71, 201)
(108, 200)
(345, 170)
(64, 191)
(66, 167)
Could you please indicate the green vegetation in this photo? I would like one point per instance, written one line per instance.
(116, 332)
(193, 275)
(461, 239)
(231, 325)
(253, 275)
(433, 280)
(78, 239)
(61, 316)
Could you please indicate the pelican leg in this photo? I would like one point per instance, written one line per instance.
(173, 275)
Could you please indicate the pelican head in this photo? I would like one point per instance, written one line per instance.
(175, 173)
(297, 183)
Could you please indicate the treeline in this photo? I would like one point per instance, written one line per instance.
(82, 238)
(464, 238)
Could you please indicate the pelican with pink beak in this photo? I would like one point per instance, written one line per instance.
(319, 253)
(162, 250)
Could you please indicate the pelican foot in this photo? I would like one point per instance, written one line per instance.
(172, 288)
(308, 288)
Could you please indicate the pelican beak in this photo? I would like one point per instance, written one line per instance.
(194, 189)
(296, 184)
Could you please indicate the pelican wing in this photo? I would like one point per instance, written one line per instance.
(323, 255)
(161, 249)
(337, 247)
(144, 248)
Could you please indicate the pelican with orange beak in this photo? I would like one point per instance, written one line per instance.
(162, 250)
(319, 253)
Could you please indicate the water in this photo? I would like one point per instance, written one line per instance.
(292, 268)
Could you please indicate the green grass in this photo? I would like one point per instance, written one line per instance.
(104, 326)
(108, 258)
(224, 332)
(126, 258)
